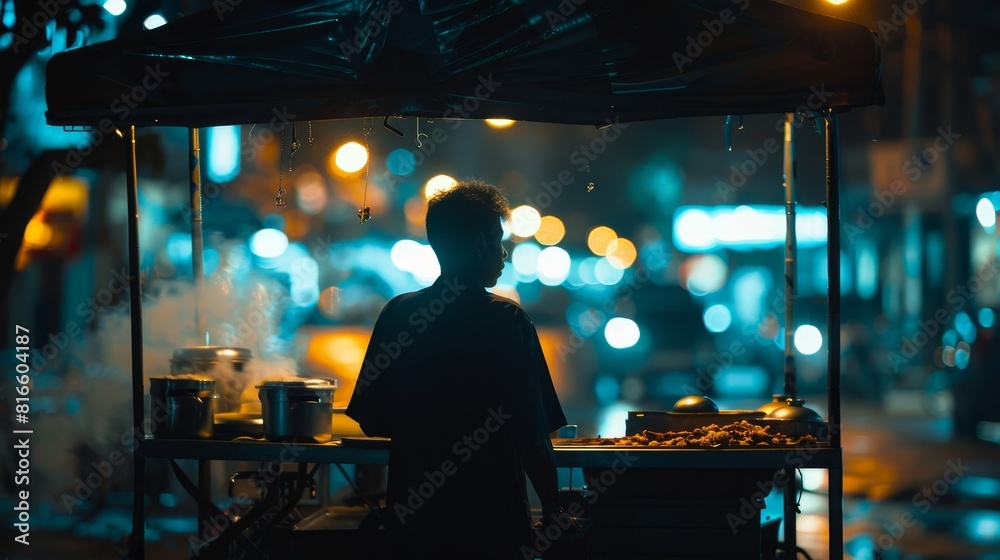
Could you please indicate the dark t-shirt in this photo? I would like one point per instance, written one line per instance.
(456, 377)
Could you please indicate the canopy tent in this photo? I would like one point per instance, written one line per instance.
(558, 61)
(572, 62)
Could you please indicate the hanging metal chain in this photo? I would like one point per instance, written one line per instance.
(294, 148)
(279, 200)
(310, 123)
(365, 212)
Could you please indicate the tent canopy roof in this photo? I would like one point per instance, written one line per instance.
(565, 61)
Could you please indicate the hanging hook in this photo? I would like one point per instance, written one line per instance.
(392, 129)
(420, 143)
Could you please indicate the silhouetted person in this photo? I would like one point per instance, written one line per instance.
(456, 377)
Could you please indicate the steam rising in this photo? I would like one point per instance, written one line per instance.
(88, 388)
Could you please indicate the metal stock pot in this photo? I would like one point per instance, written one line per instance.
(297, 409)
(223, 363)
(182, 406)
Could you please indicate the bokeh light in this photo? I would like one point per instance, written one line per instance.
(986, 213)
(525, 259)
(599, 238)
(551, 230)
(621, 253)
(437, 184)
(351, 157)
(401, 162)
(268, 243)
(524, 221)
(621, 332)
(703, 274)
(808, 339)
(717, 318)
(607, 274)
(986, 317)
(416, 258)
(115, 7)
(499, 123)
(310, 192)
(154, 21)
(553, 266)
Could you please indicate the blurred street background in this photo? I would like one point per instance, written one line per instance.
(650, 257)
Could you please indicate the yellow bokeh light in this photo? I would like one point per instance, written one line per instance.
(524, 221)
(351, 157)
(37, 234)
(338, 353)
(599, 238)
(550, 231)
(837, 2)
(499, 123)
(438, 183)
(621, 253)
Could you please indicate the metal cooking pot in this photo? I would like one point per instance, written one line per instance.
(224, 363)
(297, 409)
(182, 406)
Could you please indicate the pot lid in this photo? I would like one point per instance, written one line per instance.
(184, 378)
(194, 353)
(292, 382)
(795, 410)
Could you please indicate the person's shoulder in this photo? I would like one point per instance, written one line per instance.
(507, 308)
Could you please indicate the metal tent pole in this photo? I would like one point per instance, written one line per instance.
(137, 544)
(791, 251)
(832, 137)
(197, 243)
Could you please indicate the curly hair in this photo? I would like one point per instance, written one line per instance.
(458, 214)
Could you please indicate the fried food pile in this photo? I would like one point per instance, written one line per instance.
(737, 434)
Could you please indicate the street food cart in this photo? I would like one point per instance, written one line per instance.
(593, 62)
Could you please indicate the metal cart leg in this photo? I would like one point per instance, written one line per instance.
(836, 507)
(791, 530)
(137, 541)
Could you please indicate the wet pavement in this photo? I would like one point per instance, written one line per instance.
(911, 490)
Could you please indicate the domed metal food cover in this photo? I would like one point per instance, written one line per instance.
(795, 410)
(695, 403)
(777, 401)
